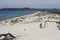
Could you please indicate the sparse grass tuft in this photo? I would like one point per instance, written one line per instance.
(14, 21)
(23, 17)
(58, 22)
(37, 14)
(21, 20)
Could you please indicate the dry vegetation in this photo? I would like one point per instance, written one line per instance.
(40, 16)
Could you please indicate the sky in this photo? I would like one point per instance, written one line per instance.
(30, 3)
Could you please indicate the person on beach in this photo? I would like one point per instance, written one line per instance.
(41, 25)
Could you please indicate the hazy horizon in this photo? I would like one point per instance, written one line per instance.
(30, 3)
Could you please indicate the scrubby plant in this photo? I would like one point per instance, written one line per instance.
(42, 13)
(37, 14)
(21, 20)
(58, 22)
(37, 20)
(41, 18)
(23, 17)
(48, 17)
(14, 21)
(53, 17)
(6, 21)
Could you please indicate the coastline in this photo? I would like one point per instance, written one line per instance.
(2, 18)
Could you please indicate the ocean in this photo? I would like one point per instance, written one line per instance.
(11, 14)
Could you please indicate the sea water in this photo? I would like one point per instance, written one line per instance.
(10, 14)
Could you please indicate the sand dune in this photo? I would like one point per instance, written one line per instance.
(30, 29)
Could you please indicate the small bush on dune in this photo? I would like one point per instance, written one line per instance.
(6, 21)
(58, 22)
(37, 14)
(14, 21)
(21, 20)
(23, 17)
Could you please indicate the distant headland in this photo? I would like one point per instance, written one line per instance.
(54, 10)
(28, 9)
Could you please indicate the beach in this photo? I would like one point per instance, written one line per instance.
(27, 27)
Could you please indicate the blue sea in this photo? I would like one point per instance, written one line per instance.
(11, 14)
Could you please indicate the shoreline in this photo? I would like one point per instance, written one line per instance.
(16, 16)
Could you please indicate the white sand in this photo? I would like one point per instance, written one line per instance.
(32, 31)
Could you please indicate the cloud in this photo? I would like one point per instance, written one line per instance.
(29, 3)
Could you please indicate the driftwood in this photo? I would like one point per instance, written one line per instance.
(7, 36)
